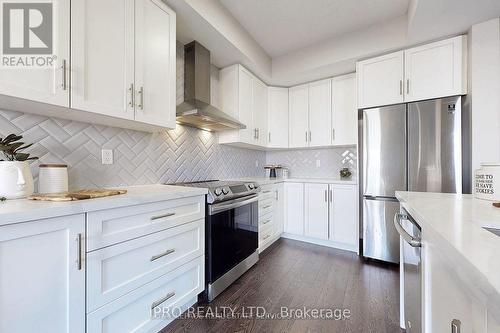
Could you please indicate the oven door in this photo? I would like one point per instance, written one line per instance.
(231, 235)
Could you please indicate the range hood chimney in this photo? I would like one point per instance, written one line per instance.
(196, 110)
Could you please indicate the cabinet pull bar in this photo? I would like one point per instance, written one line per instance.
(79, 252)
(309, 136)
(266, 222)
(333, 134)
(158, 256)
(326, 195)
(141, 98)
(408, 86)
(266, 207)
(161, 300)
(331, 196)
(157, 217)
(401, 87)
(64, 81)
(269, 136)
(266, 237)
(266, 191)
(132, 95)
(306, 136)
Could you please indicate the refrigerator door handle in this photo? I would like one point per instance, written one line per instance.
(414, 242)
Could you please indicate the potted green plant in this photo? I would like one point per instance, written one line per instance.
(16, 180)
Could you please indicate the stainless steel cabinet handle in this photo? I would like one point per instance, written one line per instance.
(401, 87)
(408, 86)
(163, 299)
(141, 98)
(258, 133)
(266, 191)
(331, 196)
(64, 80)
(158, 256)
(276, 195)
(333, 134)
(266, 222)
(326, 195)
(414, 242)
(79, 252)
(306, 136)
(266, 237)
(157, 217)
(456, 326)
(266, 207)
(269, 139)
(309, 136)
(132, 95)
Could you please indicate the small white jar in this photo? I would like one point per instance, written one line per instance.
(487, 182)
(53, 178)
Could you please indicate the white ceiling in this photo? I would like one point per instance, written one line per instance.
(283, 26)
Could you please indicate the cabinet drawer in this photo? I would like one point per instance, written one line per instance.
(266, 220)
(266, 233)
(267, 192)
(135, 312)
(108, 227)
(116, 270)
(266, 206)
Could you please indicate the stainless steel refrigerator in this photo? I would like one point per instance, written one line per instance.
(421, 146)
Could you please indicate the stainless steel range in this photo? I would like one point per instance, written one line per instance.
(231, 232)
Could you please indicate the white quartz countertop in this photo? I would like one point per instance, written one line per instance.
(266, 181)
(23, 210)
(454, 222)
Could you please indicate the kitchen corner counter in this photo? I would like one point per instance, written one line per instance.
(453, 223)
(23, 210)
(266, 181)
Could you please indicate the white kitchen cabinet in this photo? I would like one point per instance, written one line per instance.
(155, 63)
(429, 71)
(279, 216)
(344, 111)
(316, 210)
(447, 297)
(259, 111)
(47, 85)
(278, 117)
(134, 43)
(103, 42)
(42, 276)
(298, 116)
(294, 208)
(320, 113)
(380, 80)
(344, 215)
(436, 69)
(244, 97)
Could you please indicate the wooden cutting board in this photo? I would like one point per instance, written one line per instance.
(76, 195)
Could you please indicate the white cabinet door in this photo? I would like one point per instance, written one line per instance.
(344, 111)
(279, 211)
(40, 84)
(245, 114)
(259, 107)
(316, 210)
(436, 70)
(380, 80)
(278, 117)
(294, 208)
(344, 215)
(320, 113)
(298, 116)
(42, 286)
(102, 56)
(155, 67)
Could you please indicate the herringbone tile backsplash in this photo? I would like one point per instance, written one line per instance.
(183, 154)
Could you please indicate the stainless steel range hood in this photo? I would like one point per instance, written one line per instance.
(196, 110)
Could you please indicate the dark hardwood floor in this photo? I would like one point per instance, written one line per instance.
(295, 275)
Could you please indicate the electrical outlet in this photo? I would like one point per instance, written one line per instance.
(318, 163)
(107, 156)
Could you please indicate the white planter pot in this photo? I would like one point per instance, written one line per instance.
(16, 180)
(487, 182)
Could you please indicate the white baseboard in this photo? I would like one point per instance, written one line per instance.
(328, 243)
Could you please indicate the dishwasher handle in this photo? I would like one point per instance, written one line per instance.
(414, 242)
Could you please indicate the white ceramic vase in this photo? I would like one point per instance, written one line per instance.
(16, 180)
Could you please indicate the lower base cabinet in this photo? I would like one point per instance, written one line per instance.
(325, 214)
(42, 276)
(270, 214)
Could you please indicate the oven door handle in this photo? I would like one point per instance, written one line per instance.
(224, 206)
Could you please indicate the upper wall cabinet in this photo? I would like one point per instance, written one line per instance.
(47, 85)
(123, 60)
(278, 117)
(244, 97)
(344, 111)
(380, 80)
(429, 71)
(298, 116)
(320, 113)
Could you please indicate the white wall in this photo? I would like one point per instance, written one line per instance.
(485, 84)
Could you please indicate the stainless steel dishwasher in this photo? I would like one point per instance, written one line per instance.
(411, 233)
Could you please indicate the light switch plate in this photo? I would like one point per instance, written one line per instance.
(107, 156)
